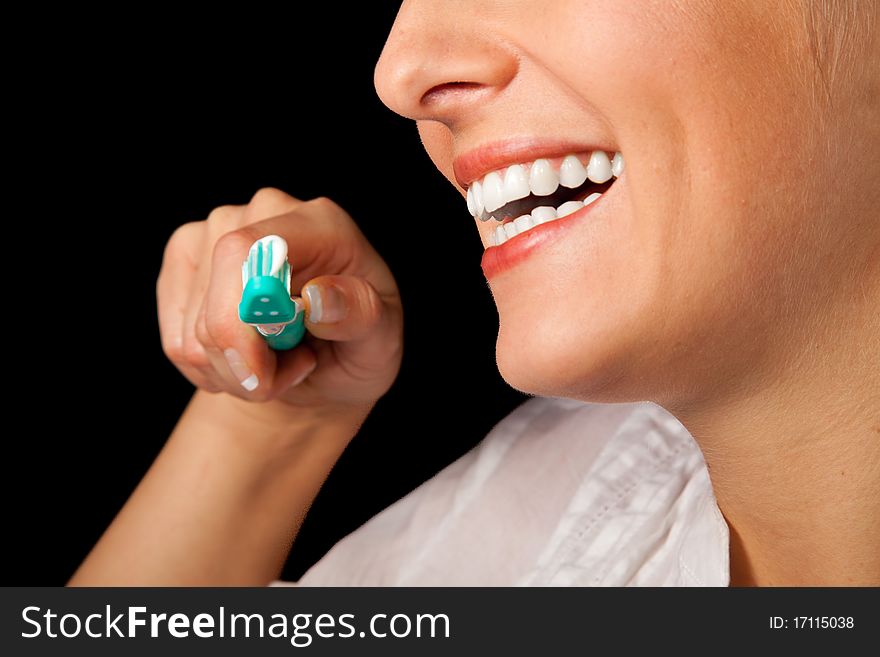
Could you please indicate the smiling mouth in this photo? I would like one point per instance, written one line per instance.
(529, 194)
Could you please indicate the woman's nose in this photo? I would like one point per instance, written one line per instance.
(440, 60)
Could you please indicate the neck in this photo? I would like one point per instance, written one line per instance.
(795, 462)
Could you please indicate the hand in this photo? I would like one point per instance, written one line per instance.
(350, 355)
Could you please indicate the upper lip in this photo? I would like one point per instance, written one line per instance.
(491, 156)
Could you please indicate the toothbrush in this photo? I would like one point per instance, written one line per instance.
(266, 303)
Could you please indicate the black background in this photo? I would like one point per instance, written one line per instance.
(127, 127)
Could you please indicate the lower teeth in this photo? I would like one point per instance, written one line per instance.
(540, 215)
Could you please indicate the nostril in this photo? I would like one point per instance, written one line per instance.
(448, 91)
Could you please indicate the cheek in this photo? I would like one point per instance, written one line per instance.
(437, 140)
(693, 270)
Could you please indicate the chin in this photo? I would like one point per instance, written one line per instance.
(560, 361)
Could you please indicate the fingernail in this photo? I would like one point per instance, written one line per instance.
(326, 303)
(300, 306)
(302, 377)
(240, 370)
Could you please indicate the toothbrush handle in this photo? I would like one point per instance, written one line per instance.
(291, 336)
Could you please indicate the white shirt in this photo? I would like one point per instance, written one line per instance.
(559, 493)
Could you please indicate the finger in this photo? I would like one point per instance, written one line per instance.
(227, 371)
(341, 307)
(269, 202)
(349, 310)
(234, 348)
(222, 219)
(192, 345)
(179, 265)
(294, 368)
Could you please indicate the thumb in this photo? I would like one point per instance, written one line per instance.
(341, 307)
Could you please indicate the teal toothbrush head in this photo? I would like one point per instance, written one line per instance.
(266, 303)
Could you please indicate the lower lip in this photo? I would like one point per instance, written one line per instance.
(497, 259)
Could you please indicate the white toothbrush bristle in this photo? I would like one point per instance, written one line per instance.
(279, 252)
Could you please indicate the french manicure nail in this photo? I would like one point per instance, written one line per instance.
(240, 370)
(326, 303)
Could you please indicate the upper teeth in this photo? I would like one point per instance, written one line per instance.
(540, 178)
